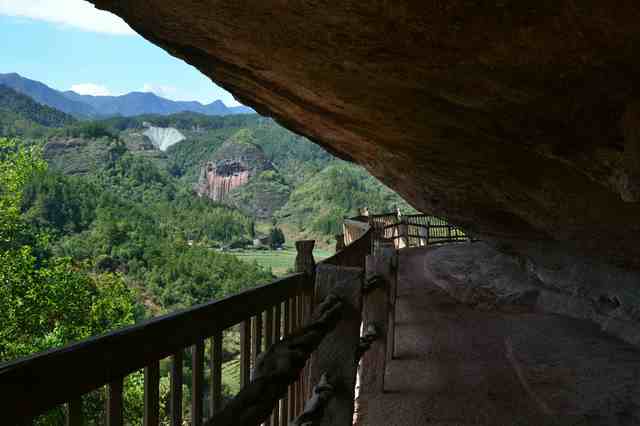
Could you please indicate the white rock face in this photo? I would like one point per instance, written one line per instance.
(163, 137)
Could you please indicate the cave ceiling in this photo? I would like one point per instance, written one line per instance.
(518, 120)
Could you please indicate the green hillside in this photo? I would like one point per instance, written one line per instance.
(320, 203)
(20, 115)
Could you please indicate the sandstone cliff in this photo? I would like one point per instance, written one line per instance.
(241, 175)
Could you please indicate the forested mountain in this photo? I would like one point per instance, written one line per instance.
(18, 106)
(137, 103)
(43, 94)
(130, 104)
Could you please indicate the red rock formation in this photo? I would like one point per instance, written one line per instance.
(220, 179)
(233, 165)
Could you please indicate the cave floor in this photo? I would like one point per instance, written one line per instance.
(458, 365)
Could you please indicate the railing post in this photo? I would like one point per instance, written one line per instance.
(304, 263)
(339, 242)
(304, 259)
(114, 403)
(152, 394)
(336, 355)
(378, 311)
(74, 412)
(215, 402)
(197, 378)
(176, 389)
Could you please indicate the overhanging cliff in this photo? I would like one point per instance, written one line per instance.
(517, 120)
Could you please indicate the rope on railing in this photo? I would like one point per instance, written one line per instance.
(370, 335)
(314, 407)
(324, 390)
(279, 367)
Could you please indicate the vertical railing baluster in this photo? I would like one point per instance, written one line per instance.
(268, 341)
(301, 380)
(74, 412)
(245, 352)
(114, 403)
(152, 394)
(277, 321)
(197, 377)
(215, 401)
(256, 339)
(285, 332)
(292, 388)
(176, 389)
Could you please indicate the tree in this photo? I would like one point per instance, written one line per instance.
(276, 238)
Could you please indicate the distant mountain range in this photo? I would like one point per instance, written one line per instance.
(134, 103)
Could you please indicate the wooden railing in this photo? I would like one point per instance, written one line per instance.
(31, 386)
(413, 230)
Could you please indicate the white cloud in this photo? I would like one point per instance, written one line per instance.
(91, 89)
(75, 13)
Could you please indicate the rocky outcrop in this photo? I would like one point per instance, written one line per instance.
(482, 276)
(235, 163)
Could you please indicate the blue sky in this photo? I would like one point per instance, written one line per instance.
(68, 44)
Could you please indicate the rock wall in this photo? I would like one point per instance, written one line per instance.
(495, 278)
(217, 179)
(233, 165)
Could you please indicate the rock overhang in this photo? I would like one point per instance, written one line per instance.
(516, 119)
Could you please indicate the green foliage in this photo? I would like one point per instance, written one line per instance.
(44, 300)
(90, 130)
(339, 190)
(276, 238)
(19, 114)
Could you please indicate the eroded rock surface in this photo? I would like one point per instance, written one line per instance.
(482, 276)
(516, 119)
(232, 166)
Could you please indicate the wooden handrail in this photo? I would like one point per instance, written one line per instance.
(33, 385)
(30, 386)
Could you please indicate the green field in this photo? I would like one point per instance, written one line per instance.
(279, 261)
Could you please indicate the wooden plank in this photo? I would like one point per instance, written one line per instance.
(245, 352)
(215, 392)
(277, 332)
(286, 330)
(28, 382)
(295, 387)
(269, 328)
(114, 403)
(152, 395)
(376, 312)
(197, 382)
(336, 354)
(268, 341)
(256, 338)
(74, 412)
(176, 389)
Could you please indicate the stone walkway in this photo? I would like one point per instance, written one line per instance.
(456, 365)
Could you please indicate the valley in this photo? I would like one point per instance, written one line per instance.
(152, 213)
